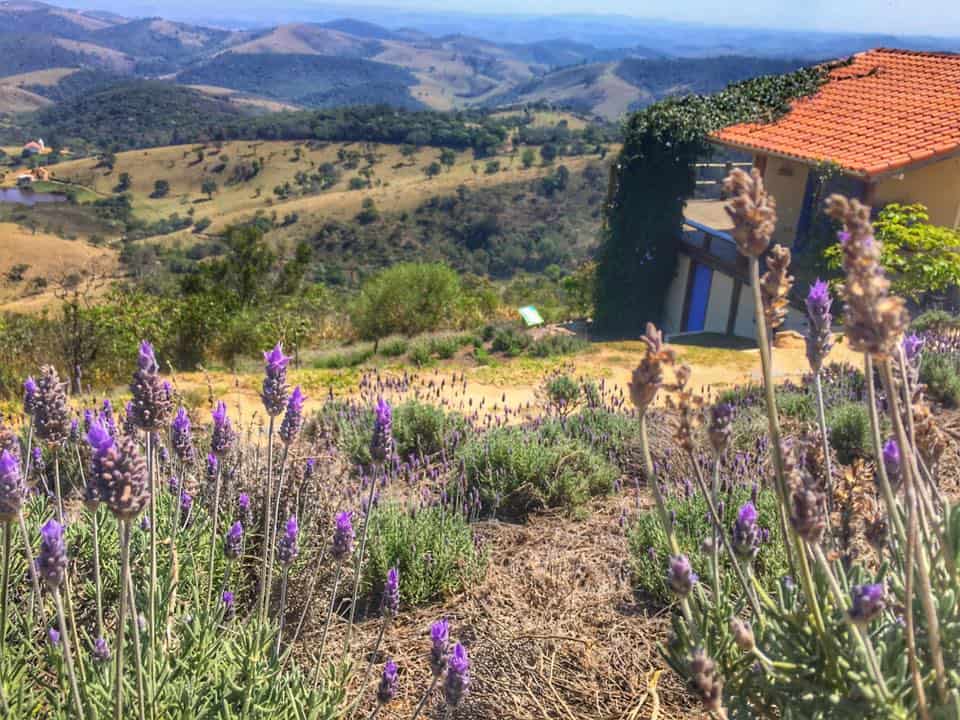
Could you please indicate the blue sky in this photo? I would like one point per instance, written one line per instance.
(935, 17)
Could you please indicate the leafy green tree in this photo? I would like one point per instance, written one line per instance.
(407, 299)
(920, 257)
(209, 187)
(529, 157)
(433, 169)
(548, 153)
(161, 188)
(123, 182)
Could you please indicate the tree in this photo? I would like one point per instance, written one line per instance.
(408, 298)
(161, 188)
(123, 182)
(448, 157)
(548, 153)
(209, 187)
(919, 257)
(433, 169)
(528, 158)
(368, 212)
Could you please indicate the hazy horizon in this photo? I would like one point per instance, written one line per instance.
(924, 17)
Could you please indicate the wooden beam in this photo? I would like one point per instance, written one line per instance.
(687, 295)
(760, 163)
(734, 305)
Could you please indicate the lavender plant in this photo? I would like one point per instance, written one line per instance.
(875, 637)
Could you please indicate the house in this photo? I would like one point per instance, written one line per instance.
(34, 147)
(25, 180)
(884, 128)
(41, 174)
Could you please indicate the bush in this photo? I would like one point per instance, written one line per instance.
(421, 353)
(608, 432)
(422, 429)
(407, 299)
(934, 321)
(563, 394)
(849, 426)
(517, 471)
(445, 347)
(649, 550)
(554, 345)
(796, 405)
(510, 341)
(432, 548)
(393, 347)
(939, 372)
(344, 358)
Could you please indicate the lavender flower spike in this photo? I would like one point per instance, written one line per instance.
(52, 560)
(233, 544)
(288, 548)
(387, 689)
(745, 534)
(152, 397)
(381, 444)
(819, 334)
(12, 488)
(51, 417)
(274, 393)
(440, 644)
(29, 396)
(223, 436)
(101, 651)
(391, 594)
(343, 536)
(681, 576)
(181, 438)
(293, 419)
(868, 603)
(119, 472)
(458, 676)
(891, 461)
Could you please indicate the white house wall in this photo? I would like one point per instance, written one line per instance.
(745, 325)
(718, 305)
(673, 312)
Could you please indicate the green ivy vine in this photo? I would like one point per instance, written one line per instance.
(652, 179)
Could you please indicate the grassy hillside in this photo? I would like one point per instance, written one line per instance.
(309, 39)
(160, 45)
(17, 100)
(25, 52)
(309, 80)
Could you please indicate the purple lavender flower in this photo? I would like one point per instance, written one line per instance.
(51, 416)
(387, 689)
(680, 577)
(343, 536)
(181, 438)
(912, 347)
(381, 444)
(212, 466)
(243, 502)
(274, 393)
(309, 468)
(152, 397)
(118, 474)
(390, 603)
(819, 335)
(228, 601)
(233, 544)
(293, 419)
(223, 436)
(186, 501)
(457, 684)
(892, 461)
(29, 396)
(439, 646)
(52, 559)
(721, 426)
(53, 637)
(745, 534)
(288, 549)
(868, 603)
(101, 650)
(12, 488)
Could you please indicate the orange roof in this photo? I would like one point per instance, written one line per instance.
(885, 110)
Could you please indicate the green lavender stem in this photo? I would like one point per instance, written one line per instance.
(152, 598)
(124, 530)
(31, 566)
(326, 624)
(264, 598)
(426, 696)
(359, 563)
(214, 538)
(275, 522)
(141, 694)
(283, 607)
(68, 654)
(3, 588)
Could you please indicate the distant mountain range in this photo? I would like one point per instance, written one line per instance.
(48, 53)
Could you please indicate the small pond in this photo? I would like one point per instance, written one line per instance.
(29, 197)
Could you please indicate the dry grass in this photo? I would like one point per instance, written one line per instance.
(44, 78)
(553, 631)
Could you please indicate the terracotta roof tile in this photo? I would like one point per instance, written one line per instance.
(885, 110)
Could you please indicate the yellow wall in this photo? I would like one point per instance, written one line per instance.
(786, 180)
(937, 186)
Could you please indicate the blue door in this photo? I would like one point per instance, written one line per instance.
(699, 297)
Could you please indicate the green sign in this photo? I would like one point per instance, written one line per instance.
(530, 316)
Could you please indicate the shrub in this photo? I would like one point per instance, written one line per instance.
(849, 426)
(344, 359)
(393, 347)
(510, 341)
(432, 548)
(563, 394)
(421, 353)
(934, 321)
(407, 299)
(516, 471)
(424, 429)
(939, 372)
(649, 550)
(554, 345)
(446, 346)
(610, 433)
(796, 405)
